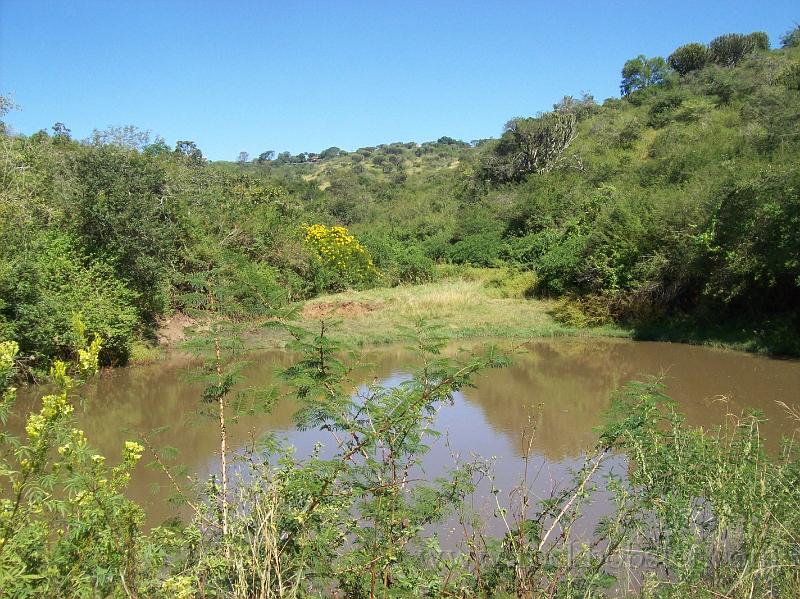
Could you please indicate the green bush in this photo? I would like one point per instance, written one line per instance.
(399, 262)
(663, 107)
(557, 269)
(411, 266)
(478, 250)
(728, 50)
(124, 217)
(688, 58)
(527, 250)
(629, 134)
(752, 242)
(44, 291)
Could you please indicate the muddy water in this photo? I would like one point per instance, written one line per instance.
(561, 386)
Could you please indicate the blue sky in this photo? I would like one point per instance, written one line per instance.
(303, 76)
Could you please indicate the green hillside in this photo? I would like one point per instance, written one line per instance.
(674, 209)
(678, 200)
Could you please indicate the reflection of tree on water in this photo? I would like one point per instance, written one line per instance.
(566, 384)
(563, 388)
(563, 384)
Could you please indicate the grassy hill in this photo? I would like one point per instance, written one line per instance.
(676, 203)
(672, 210)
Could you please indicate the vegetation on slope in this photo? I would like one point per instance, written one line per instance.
(674, 210)
(680, 200)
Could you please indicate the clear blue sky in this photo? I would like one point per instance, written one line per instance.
(303, 76)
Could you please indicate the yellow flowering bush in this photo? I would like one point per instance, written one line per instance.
(340, 260)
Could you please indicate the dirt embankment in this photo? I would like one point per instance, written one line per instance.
(347, 309)
(172, 330)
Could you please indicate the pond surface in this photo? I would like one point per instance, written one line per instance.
(561, 386)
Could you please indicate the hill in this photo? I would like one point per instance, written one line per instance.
(673, 209)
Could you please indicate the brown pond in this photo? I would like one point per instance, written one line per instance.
(563, 386)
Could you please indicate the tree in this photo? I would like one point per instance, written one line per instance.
(243, 158)
(582, 107)
(530, 145)
(158, 148)
(688, 58)
(190, 151)
(61, 133)
(265, 156)
(129, 137)
(283, 158)
(791, 39)
(331, 152)
(729, 49)
(760, 40)
(6, 106)
(124, 216)
(641, 72)
(450, 141)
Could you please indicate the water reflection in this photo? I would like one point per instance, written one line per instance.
(562, 386)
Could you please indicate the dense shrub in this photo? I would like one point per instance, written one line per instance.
(558, 268)
(123, 214)
(753, 245)
(339, 260)
(483, 249)
(398, 262)
(628, 134)
(729, 49)
(662, 108)
(528, 249)
(45, 290)
(688, 58)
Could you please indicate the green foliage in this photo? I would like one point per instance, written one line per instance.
(663, 108)
(188, 152)
(556, 269)
(715, 512)
(641, 72)
(398, 262)
(688, 58)
(46, 286)
(729, 49)
(790, 77)
(760, 40)
(483, 249)
(582, 107)
(791, 39)
(529, 145)
(66, 528)
(123, 215)
(752, 241)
